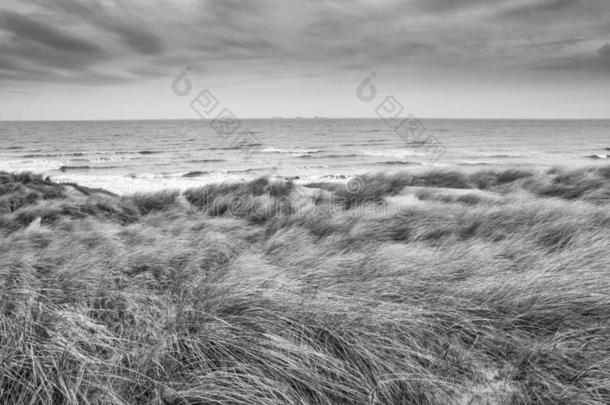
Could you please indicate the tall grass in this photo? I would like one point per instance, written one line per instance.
(147, 299)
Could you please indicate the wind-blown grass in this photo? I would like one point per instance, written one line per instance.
(492, 287)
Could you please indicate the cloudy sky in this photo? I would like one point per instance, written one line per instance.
(113, 59)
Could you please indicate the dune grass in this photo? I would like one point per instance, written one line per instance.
(483, 288)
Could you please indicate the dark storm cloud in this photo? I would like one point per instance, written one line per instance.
(20, 72)
(138, 39)
(51, 47)
(230, 47)
(149, 39)
(504, 8)
(146, 71)
(40, 55)
(34, 51)
(538, 7)
(409, 48)
(553, 45)
(592, 62)
(86, 77)
(579, 64)
(6, 63)
(26, 28)
(235, 10)
(453, 5)
(116, 19)
(235, 29)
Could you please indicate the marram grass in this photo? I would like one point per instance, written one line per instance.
(437, 288)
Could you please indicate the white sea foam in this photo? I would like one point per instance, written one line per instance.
(294, 152)
(31, 165)
(398, 154)
(136, 156)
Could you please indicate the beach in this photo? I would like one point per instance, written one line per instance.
(224, 202)
(313, 261)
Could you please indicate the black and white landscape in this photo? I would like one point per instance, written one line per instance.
(305, 202)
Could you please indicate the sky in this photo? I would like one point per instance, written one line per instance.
(151, 59)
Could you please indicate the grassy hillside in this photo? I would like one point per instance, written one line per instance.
(437, 288)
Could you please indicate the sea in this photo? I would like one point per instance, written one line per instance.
(138, 156)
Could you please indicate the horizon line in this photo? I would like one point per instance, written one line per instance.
(317, 118)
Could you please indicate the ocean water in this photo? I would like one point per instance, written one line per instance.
(132, 156)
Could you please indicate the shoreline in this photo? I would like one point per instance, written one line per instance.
(393, 190)
(130, 184)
